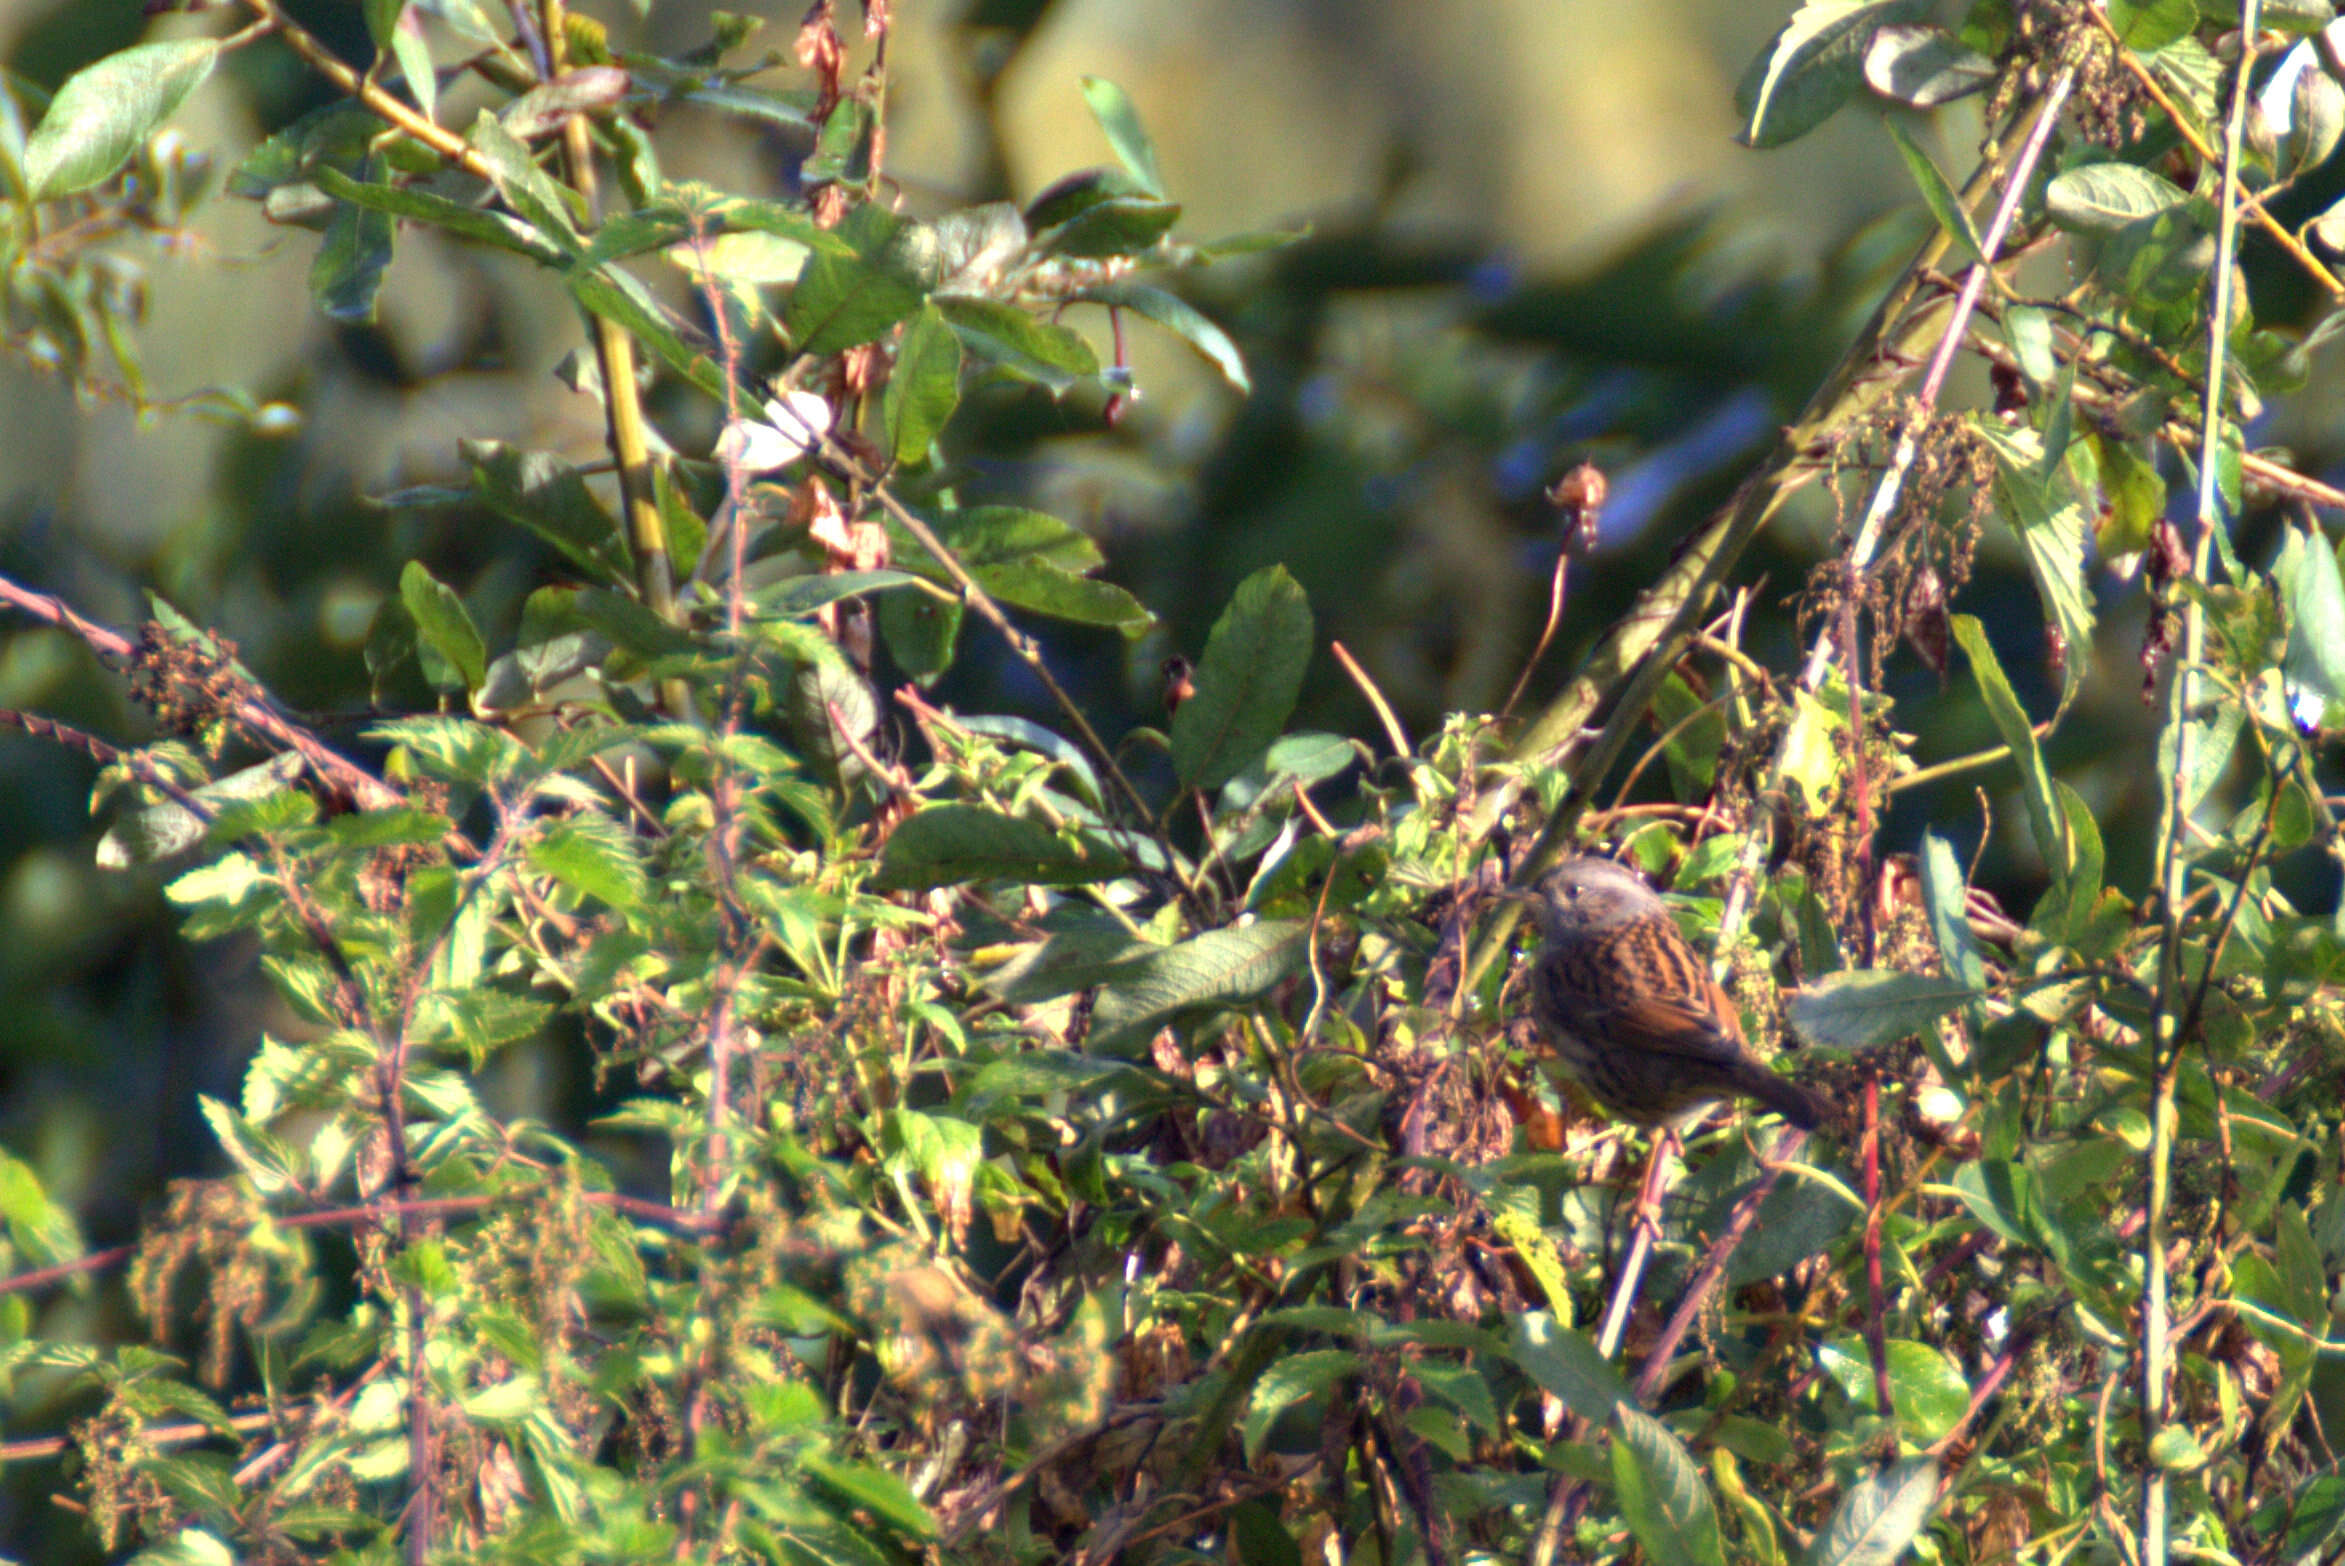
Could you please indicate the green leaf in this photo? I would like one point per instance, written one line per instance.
(188, 1547)
(797, 596)
(2035, 779)
(2135, 493)
(1045, 589)
(2029, 327)
(1288, 1381)
(2146, 26)
(595, 857)
(2175, 1447)
(1566, 1365)
(417, 205)
(1070, 960)
(1006, 337)
(1879, 1517)
(996, 535)
(2051, 526)
(923, 386)
(2312, 591)
(2006, 1197)
(2295, 16)
(529, 190)
(1943, 897)
(265, 1159)
(1810, 67)
(539, 112)
(874, 1490)
(1120, 226)
(39, 1225)
(1071, 195)
(841, 301)
(1026, 559)
(1040, 1072)
(842, 146)
(2104, 198)
(1661, 1493)
(1463, 1388)
(1246, 682)
(2067, 911)
(546, 495)
(346, 275)
(831, 707)
(1864, 1007)
(526, 676)
(105, 110)
(1937, 195)
(444, 629)
(1925, 1385)
(415, 61)
(162, 829)
(948, 844)
(393, 26)
(1922, 67)
(1803, 1215)
(922, 633)
(2316, 1518)
(1259, 1538)
(1217, 969)
(1182, 319)
(618, 296)
(1112, 107)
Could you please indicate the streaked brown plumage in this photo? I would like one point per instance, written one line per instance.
(1633, 1012)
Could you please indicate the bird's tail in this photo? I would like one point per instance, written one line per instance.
(1801, 1106)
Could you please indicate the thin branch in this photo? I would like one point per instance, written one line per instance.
(251, 707)
(2166, 1041)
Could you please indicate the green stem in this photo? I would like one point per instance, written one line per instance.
(2182, 700)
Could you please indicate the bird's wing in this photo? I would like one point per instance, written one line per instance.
(1693, 1019)
(1672, 1025)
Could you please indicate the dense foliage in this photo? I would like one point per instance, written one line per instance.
(1066, 1133)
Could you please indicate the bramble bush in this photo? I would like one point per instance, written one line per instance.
(1091, 1140)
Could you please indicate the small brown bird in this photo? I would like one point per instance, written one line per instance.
(1634, 1013)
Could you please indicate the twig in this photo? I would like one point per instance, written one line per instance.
(252, 707)
(1713, 1264)
(1555, 584)
(1384, 713)
(1876, 1331)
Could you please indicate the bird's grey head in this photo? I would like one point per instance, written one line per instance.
(1589, 896)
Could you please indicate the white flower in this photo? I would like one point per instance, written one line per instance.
(794, 422)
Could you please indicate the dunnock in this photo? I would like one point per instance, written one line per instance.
(1634, 1013)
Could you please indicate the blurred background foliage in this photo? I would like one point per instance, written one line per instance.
(1532, 242)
